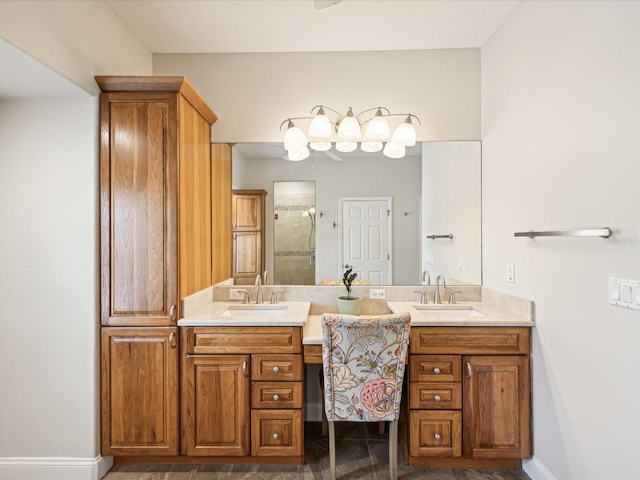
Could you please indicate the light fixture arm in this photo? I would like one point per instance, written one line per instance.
(290, 121)
(322, 107)
(371, 109)
(408, 115)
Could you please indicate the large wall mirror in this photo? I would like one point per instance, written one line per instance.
(434, 191)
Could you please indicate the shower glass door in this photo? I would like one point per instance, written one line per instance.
(294, 230)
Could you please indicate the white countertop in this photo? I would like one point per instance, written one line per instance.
(216, 314)
(492, 317)
(428, 315)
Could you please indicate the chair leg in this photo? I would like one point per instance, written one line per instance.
(393, 450)
(332, 450)
(381, 426)
(324, 413)
(324, 419)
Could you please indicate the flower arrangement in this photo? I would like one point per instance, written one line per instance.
(348, 279)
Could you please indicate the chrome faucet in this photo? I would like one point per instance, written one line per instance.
(274, 295)
(426, 277)
(258, 287)
(423, 296)
(436, 296)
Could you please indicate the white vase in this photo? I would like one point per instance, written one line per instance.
(349, 306)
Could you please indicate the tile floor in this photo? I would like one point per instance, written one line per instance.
(362, 454)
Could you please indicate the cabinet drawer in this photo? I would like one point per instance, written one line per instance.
(437, 396)
(276, 433)
(470, 340)
(282, 368)
(276, 395)
(244, 340)
(435, 433)
(435, 368)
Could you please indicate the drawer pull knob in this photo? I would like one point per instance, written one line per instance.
(436, 398)
(437, 436)
(276, 436)
(436, 370)
(276, 397)
(276, 369)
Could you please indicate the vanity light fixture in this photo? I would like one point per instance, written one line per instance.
(346, 132)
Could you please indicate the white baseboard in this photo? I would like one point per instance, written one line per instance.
(537, 470)
(54, 468)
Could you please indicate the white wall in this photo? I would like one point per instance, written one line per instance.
(49, 289)
(253, 93)
(355, 177)
(49, 267)
(561, 136)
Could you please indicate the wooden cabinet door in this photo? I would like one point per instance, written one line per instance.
(216, 416)
(497, 403)
(246, 212)
(138, 201)
(247, 256)
(139, 391)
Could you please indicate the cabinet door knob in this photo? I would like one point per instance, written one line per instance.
(436, 370)
(436, 398)
(172, 340)
(468, 370)
(437, 436)
(244, 369)
(276, 369)
(172, 313)
(276, 397)
(276, 436)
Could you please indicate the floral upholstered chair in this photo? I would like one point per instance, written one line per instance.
(363, 360)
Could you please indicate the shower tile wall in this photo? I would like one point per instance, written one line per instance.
(294, 251)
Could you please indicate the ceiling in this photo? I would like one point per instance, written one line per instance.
(240, 26)
(214, 26)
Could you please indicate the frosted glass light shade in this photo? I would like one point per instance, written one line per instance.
(346, 147)
(378, 127)
(349, 127)
(294, 138)
(320, 146)
(298, 154)
(371, 147)
(320, 125)
(405, 134)
(393, 150)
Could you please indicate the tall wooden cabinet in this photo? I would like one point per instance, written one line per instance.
(155, 214)
(248, 217)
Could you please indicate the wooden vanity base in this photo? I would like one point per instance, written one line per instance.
(474, 463)
(195, 460)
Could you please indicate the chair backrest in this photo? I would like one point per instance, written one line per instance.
(363, 364)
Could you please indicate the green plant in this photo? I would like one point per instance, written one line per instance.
(347, 279)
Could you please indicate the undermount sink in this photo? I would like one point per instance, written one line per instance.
(255, 310)
(448, 310)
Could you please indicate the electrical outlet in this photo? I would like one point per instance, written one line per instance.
(236, 293)
(376, 293)
(511, 273)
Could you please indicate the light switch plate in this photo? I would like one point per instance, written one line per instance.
(624, 293)
(511, 273)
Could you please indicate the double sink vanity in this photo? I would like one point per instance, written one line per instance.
(466, 403)
(189, 377)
